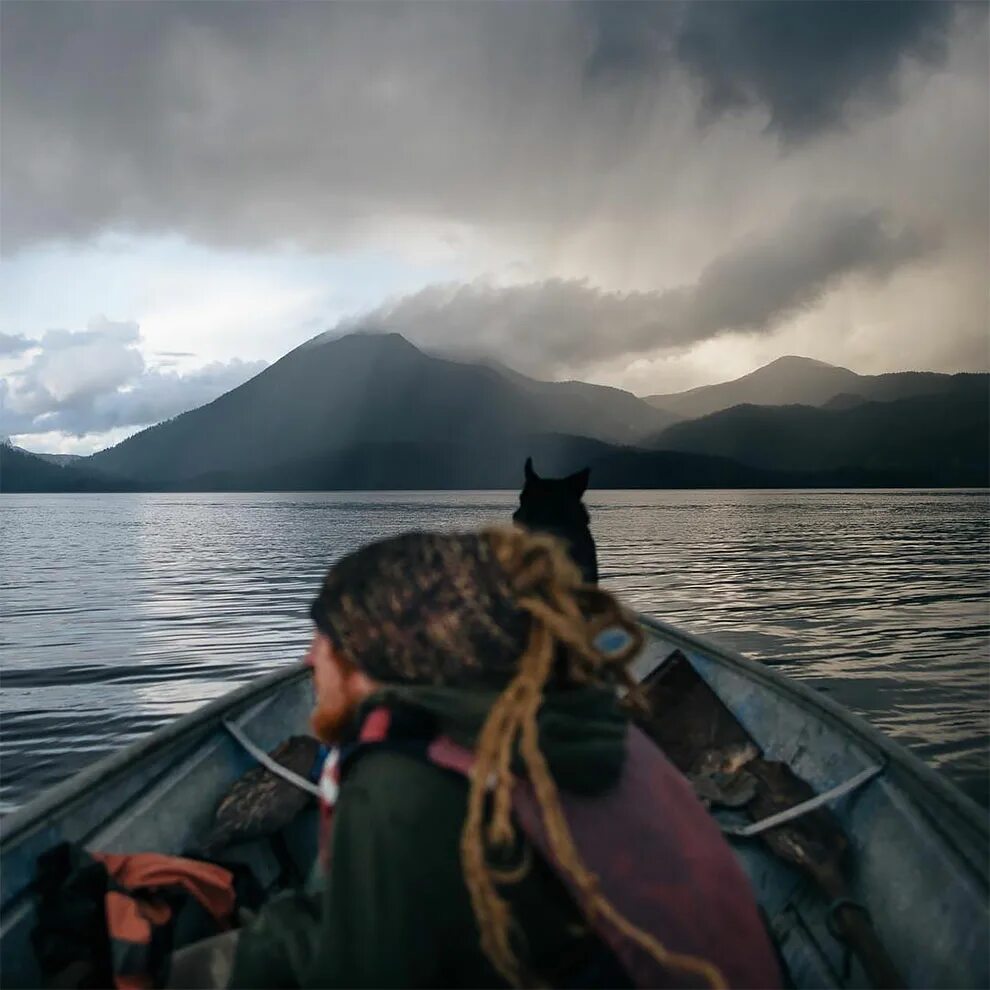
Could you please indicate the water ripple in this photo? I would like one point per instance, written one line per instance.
(120, 612)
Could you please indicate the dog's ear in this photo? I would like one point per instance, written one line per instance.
(531, 475)
(578, 482)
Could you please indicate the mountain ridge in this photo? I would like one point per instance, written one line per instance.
(943, 433)
(372, 410)
(364, 388)
(425, 466)
(798, 380)
(23, 471)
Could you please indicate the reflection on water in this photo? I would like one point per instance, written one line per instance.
(120, 612)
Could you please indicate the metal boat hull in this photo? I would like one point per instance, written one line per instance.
(919, 847)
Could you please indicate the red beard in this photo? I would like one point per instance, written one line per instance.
(328, 721)
(330, 717)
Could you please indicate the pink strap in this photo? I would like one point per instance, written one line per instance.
(376, 725)
(444, 752)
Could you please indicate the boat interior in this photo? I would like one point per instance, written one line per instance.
(869, 869)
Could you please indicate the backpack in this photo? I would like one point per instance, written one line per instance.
(113, 920)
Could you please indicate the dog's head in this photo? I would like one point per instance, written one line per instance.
(553, 504)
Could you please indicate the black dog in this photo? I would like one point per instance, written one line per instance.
(553, 505)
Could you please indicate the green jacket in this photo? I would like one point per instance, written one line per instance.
(394, 909)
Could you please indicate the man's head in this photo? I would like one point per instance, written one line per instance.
(425, 608)
(421, 608)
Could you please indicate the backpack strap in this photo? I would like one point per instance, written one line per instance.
(381, 727)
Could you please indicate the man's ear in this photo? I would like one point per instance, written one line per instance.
(578, 482)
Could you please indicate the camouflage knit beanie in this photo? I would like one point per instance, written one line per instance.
(425, 608)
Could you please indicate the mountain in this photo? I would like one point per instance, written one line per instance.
(943, 437)
(22, 471)
(333, 395)
(414, 466)
(452, 466)
(62, 459)
(614, 406)
(370, 411)
(51, 458)
(443, 465)
(802, 381)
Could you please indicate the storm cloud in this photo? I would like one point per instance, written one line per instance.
(561, 324)
(316, 123)
(649, 195)
(95, 380)
(809, 65)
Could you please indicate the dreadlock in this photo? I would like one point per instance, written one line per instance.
(567, 617)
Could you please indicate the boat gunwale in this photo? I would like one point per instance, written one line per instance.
(915, 772)
(203, 721)
(189, 728)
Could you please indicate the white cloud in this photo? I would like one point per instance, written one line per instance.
(233, 312)
(86, 383)
(57, 442)
(76, 368)
(14, 344)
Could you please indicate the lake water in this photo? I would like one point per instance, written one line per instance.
(120, 612)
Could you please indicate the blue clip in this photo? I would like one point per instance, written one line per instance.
(612, 641)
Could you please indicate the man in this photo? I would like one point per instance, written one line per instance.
(498, 820)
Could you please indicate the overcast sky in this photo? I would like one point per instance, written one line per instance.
(654, 196)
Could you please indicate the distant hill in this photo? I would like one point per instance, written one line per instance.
(370, 411)
(803, 381)
(414, 466)
(945, 437)
(21, 471)
(496, 465)
(57, 458)
(451, 466)
(612, 405)
(51, 458)
(365, 389)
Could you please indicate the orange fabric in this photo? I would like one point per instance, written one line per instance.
(125, 920)
(133, 982)
(212, 886)
(156, 911)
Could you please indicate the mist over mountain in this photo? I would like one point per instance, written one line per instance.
(62, 459)
(799, 380)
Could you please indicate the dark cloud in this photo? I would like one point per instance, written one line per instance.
(15, 343)
(310, 123)
(625, 159)
(628, 39)
(565, 324)
(94, 380)
(807, 63)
